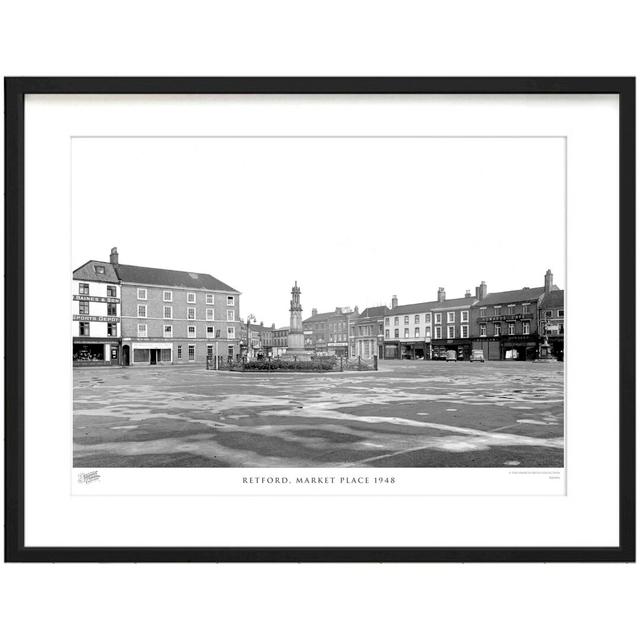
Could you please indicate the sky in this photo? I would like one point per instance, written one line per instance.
(353, 220)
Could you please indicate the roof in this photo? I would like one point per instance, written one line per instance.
(372, 312)
(455, 302)
(169, 278)
(553, 299)
(87, 272)
(324, 316)
(418, 307)
(507, 297)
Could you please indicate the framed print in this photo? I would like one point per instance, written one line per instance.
(320, 319)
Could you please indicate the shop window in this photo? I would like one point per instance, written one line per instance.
(165, 355)
(88, 353)
(83, 308)
(112, 309)
(83, 289)
(141, 355)
(111, 291)
(112, 329)
(167, 296)
(192, 352)
(84, 328)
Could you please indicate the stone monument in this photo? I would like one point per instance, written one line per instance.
(295, 340)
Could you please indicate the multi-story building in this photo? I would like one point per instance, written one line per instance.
(280, 337)
(167, 317)
(260, 342)
(452, 325)
(328, 333)
(96, 314)
(367, 330)
(408, 330)
(505, 324)
(551, 321)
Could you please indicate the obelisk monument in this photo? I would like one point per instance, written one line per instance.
(295, 339)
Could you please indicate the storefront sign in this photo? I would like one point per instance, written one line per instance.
(507, 318)
(96, 299)
(96, 318)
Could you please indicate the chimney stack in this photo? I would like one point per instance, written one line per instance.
(113, 258)
(355, 309)
(467, 293)
(442, 296)
(394, 301)
(481, 291)
(314, 311)
(548, 281)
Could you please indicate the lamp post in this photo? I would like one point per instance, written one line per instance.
(250, 317)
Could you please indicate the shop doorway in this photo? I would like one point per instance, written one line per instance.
(125, 355)
(153, 355)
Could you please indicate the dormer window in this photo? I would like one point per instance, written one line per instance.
(99, 269)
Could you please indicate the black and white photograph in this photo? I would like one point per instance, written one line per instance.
(318, 301)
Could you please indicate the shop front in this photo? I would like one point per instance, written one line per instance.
(88, 352)
(440, 348)
(508, 347)
(150, 353)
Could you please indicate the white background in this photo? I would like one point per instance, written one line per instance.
(365, 38)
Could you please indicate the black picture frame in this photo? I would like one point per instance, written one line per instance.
(15, 91)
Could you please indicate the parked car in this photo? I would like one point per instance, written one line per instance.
(477, 355)
(452, 356)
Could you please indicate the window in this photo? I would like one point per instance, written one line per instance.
(99, 269)
(112, 329)
(192, 352)
(83, 308)
(209, 298)
(526, 328)
(231, 333)
(451, 331)
(191, 297)
(510, 309)
(209, 351)
(231, 315)
(548, 314)
(416, 333)
(451, 316)
(191, 313)
(560, 313)
(406, 319)
(111, 291)
(209, 332)
(464, 330)
(167, 296)
(84, 328)
(142, 294)
(427, 318)
(396, 333)
(112, 309)
(142, 311)
(179, 352)
(438, 318)
(167, 331)
(83, 289)
(525, 307)
(496, 329)
(396, 321)
(406, 333)
(416, 319)
(386, 333)
(464, 316)
(438, 333)
(191, 331)
(386, 322)
(142, 331)
(497, 310)
(427, 332)
(511, 328)
(210, 315)
(167, 313)
(483, 312)
(230, 301)
(483, 330)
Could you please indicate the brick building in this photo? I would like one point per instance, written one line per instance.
(169, 317)
(328, 333)
(280, 337)
(551, 321)
(408, 330)
(452, 325)
(367, 331)
(505, 324)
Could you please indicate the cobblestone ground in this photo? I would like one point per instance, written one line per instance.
(407, 414)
